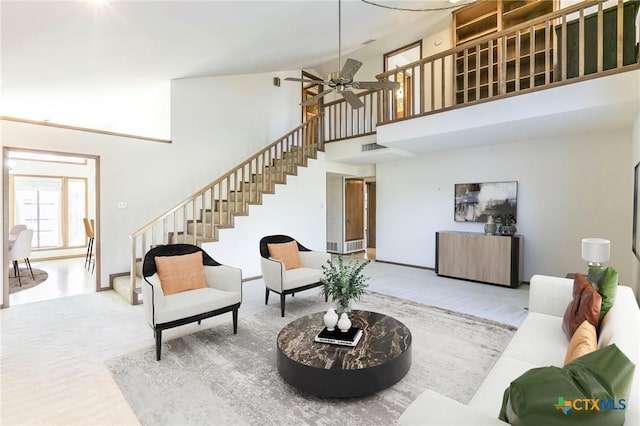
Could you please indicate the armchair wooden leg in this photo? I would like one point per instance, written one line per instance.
(282, 304)
(235, 321)
(158, 343)
(266, 296)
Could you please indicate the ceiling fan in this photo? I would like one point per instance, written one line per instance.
(342, 81)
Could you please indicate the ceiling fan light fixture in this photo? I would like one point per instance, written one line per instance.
(341, 81)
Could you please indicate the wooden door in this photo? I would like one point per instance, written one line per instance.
(309, 90)
(354, 209)
(371, 214)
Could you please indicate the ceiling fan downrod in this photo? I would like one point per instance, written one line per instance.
(339, 34)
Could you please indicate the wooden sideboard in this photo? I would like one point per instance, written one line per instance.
(492, 259)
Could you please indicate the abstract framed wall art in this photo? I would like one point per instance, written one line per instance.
(475, 202)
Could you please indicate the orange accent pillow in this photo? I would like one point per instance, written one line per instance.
(584, 341)
(287, 253)
(584, 306)
(181, 273)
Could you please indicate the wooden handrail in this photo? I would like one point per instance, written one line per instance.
(220, 179)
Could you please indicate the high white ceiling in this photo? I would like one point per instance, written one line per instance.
(59, 57)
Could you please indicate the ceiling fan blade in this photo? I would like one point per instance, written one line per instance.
(353, 100)
(305, 80)
(316, 97)
(381, 85)
(350, 68)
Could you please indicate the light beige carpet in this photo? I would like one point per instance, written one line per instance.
(216, 377)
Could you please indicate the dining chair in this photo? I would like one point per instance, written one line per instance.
(89, 226)
(13, 233)
(16, 229)
(21, 249)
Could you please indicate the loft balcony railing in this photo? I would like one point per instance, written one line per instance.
(573, 44)
(341, 121)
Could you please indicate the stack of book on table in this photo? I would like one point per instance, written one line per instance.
(350, 337)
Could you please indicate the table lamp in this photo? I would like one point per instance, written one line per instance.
(595, 251)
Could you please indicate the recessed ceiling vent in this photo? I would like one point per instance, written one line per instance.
(371, 147)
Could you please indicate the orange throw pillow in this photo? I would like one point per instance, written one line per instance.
(181, 273)
(287, 253)
(584, 306)
(584, 341)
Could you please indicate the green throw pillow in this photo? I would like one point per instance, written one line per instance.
(590, 390)
(606, 281)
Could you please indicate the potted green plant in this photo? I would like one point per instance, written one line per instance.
(343, 282)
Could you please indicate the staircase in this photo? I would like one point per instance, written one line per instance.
(198, 218)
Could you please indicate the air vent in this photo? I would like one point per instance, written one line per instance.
(354, 245)
(332, 246)
(371, 147)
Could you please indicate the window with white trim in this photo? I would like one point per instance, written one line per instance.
(53, 207)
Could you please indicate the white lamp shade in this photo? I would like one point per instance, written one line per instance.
(596, 250)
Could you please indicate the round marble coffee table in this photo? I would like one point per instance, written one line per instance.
(379, 360)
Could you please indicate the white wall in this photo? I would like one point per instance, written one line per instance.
(335, 209)
(568, 188)
(230, 118)
(152, 177)
(293, 210)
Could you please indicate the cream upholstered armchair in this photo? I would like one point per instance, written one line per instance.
(183, 284)
(288, 267)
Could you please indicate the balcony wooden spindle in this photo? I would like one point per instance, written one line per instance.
(600, 36)
(619, 33)
(518, 58)
(465, 79)
(478, 72)
(532, 56)
(490, 68)
(564, 46)
(442, 84)
(547, 44)
(581, 44)
(433, 87)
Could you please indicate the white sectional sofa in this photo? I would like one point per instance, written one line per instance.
(538, 342)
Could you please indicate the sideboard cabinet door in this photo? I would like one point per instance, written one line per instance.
(493, 259)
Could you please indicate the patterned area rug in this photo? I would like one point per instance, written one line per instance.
(26, 280)
(216, 377)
